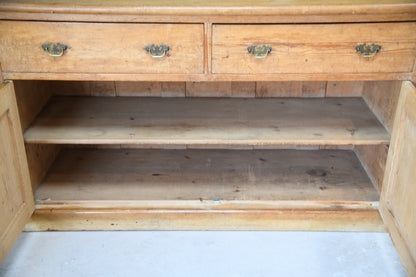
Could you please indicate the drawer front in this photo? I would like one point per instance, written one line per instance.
(101, 47)
(314, 48)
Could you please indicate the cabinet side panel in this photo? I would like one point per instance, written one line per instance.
(39, 159)
(31, 97)
(382, 98)
(373, 158)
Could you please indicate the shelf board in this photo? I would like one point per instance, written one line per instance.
(207, 179)
(207, 121)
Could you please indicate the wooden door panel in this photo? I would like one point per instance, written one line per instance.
(398, 200)
(16, 198)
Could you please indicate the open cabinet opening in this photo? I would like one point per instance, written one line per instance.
(212, 147)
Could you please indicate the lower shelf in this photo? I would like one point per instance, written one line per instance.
(208, 178)
(161, 186)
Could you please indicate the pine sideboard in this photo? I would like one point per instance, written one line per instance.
(208, 115)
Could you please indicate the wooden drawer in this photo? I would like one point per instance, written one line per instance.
(101, 47)
(314, 48)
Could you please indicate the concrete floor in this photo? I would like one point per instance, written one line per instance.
(205, 253)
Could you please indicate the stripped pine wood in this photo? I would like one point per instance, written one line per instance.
(373, 159)
(173, 89)
(291, 89)
(192, 121)
(344, 89)
(31, 97)
(313, 48)
(134, 219)
(70, 88)
(219, 5)
(231, 11)
(16, 198)
(151, 89)
(195, 89)
(398, 196)
(243, 89)
(39, 158)
(313, 89)
(278, 89)
(208, 89)
(352, 17)
(119, 189)
(103, 88)
(332, 76)
(101, 48)
(382, 98)
(207, 179)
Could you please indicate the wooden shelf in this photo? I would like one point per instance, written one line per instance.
(207, 121)
(207, 179)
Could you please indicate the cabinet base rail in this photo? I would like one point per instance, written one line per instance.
(138, 219)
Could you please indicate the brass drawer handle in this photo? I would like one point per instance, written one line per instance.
(157, 51)
(259, 51)
(54, 49)
(367, 50)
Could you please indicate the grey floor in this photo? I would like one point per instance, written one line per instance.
(205, 253)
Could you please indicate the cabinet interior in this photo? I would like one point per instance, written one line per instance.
(207, 145)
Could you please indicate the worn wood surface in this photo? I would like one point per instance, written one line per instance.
(213, 190)
(399, 186)
(101, 48)
(193, 121)
(31, 97)
(207, 179)
(133, 219)
(208, 89)
(344, 89)
(214, 3)
(373, 158)
(313, 48)
(103, 88)
(39, 158)
(407, 14)
(382, 98)
(16, 198)
(151, 89)
(278, 89)
(333, 76)
(229, 10)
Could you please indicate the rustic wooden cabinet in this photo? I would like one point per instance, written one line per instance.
(227, 115)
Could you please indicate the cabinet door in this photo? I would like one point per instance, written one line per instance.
(16, 198)
(398, 199)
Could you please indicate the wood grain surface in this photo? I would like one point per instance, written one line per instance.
(398, 198)
(207, 179)
(207, 121)
(313, 48)
(16, 198)
(354, 8)
(136, 219)
(101, 48)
